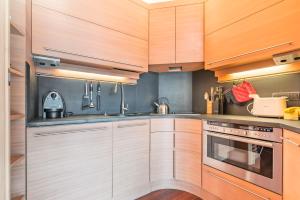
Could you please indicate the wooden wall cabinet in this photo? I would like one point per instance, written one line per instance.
(176, 35)
(131, 151)
(249, 31)
(291, 161)
(188, 162)
(83, 38)
(228, 187)
(161, 149)
(70, 162)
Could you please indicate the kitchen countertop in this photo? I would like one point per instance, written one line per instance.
(248, 120)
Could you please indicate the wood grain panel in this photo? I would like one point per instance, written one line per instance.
(161, 125)
(254, 38)
(231, 188)
(221, 13)
(188, 167)
(75, 40)
(162, 36)
(189, 33)
(131, 151)
(291, 160)
(188, 141)
(188, 125)
(161, 156)
(72, 163)
(124, 16)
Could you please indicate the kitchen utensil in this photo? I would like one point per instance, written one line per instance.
(212, 93)
(53, 105)
(85, 97)
(162, 107)
(91, 96)
(206, 96)
(268, 106)
(98, 96)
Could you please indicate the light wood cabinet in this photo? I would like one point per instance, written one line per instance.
(82, 42)
(131, 151)
(291, 162)
(70, 162)
(189, 33)
(249, 33)
(188, 158)
(176, 35)
(123, 16)
(228, 187)
(162, 36)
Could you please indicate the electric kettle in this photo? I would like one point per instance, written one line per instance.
(162, 106)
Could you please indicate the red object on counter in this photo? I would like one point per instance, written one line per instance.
(242, 91)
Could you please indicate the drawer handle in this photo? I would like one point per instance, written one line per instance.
(86, 56)
(251, 52)
(132, 125)
(290, 141)
(236, 185)
(70, 132)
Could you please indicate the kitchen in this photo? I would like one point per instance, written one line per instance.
(149, 99)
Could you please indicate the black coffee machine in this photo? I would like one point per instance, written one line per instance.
(53, 105)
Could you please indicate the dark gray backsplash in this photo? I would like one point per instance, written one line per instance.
(177, 87)
(185, 92)
(138, 97)
(265, 86)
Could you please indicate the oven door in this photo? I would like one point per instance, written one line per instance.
(256, 161)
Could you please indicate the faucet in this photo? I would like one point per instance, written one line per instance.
(123, 108)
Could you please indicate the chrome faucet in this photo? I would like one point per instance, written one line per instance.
(123, 108)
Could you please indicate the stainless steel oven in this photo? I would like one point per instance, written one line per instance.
(252, 153)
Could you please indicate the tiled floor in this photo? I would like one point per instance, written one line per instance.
(169, 195)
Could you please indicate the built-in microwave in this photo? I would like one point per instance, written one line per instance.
(252, 153)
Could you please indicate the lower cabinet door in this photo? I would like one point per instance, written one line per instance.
(71, 162)
(228, 187)
(188, 167)
(161, 156)
(131, 151)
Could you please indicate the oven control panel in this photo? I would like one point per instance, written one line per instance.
(258, 132)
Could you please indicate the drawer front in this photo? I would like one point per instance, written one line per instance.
(160, 125)
(162, 140)
(69, 38)
(124, 16)
(228, 187)
(161, 164)
(188, 125)
(188, 167)
(69, 164)
(188, 142)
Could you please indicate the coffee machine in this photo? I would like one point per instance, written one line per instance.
(53, 105)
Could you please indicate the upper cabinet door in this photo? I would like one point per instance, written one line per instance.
(162, 36)
(255, 36)
(189, 33)
(124, 16)
(72, 39)
(221, 13)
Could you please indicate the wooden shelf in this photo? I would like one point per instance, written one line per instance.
(16, 160)
(18, 198)
(15, 72)
(14, 29)
(16, 116)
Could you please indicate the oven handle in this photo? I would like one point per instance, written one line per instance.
(236, 185)
(240, 139)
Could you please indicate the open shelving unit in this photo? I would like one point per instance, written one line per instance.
(17, 73)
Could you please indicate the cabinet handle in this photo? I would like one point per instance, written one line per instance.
(86, 56)
(251, 52)
(132, 125)
(236, 185)
(69, 132)
(290, 141)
